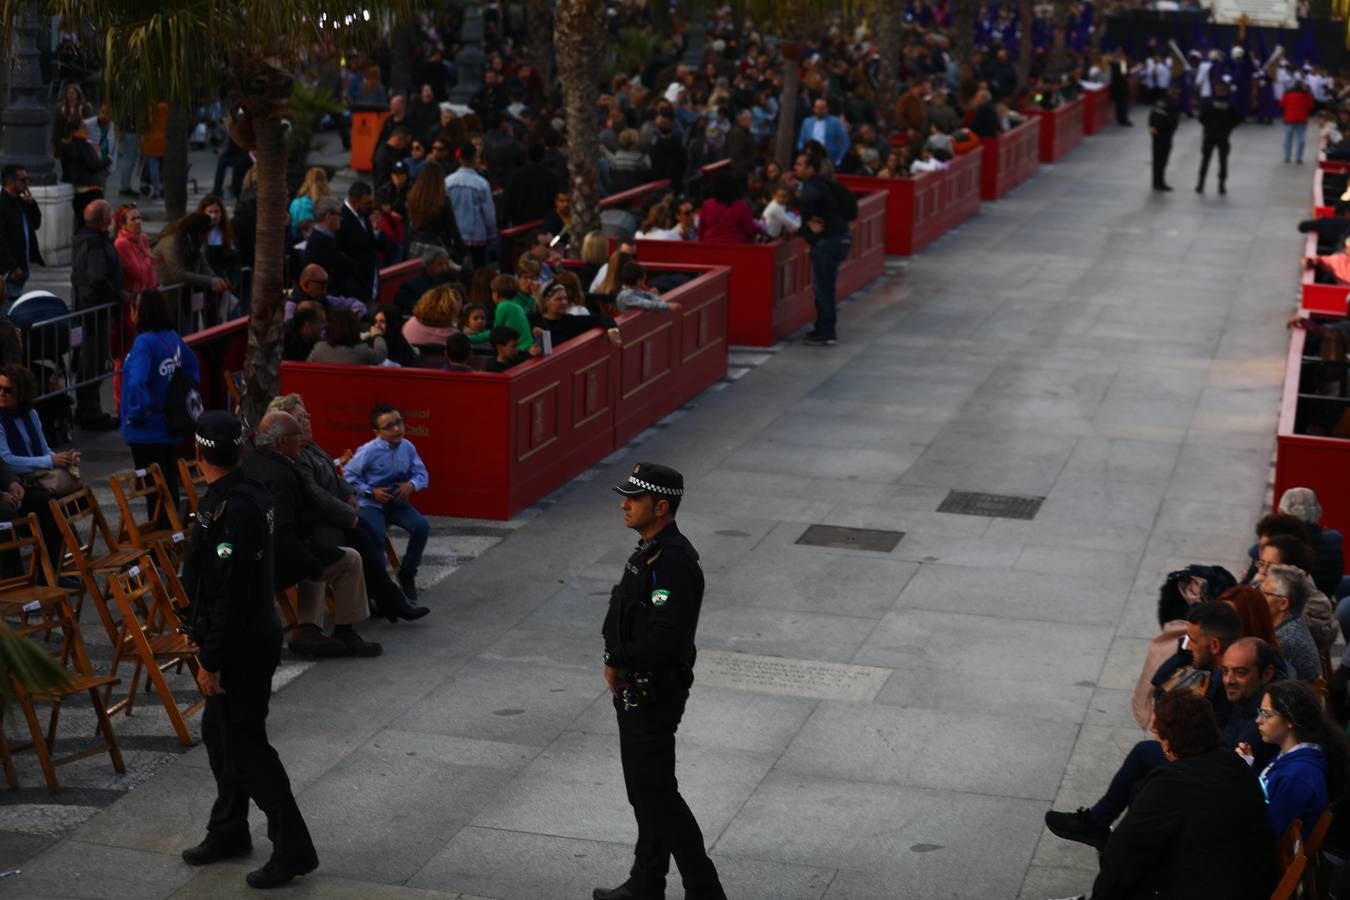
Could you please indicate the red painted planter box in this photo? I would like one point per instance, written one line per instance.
(394, 277)
(867, 255)
(1010, 159)
(1328, 299)
(1097, 110)
(1061, 130)
(219, 349)
(922, 208)
(1304, 460)
(495, 443)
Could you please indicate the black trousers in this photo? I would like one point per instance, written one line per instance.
(666, 826)
(374, 565)
(245, 766)
(1162, 150)
(167, 457)
(1207, 147)
(1122, 102)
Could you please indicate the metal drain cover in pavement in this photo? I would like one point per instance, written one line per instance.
(998, 506)
(851, 538)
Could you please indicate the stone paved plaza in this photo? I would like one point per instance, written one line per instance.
(866, 724)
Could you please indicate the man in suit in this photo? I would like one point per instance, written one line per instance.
(360, 240)
(826, 130)
(1119, 88)
(20, 218)
(322, 248)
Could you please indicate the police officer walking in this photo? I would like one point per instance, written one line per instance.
(1218, 117)
(1162, 124)
(649, 666)
(228, 576)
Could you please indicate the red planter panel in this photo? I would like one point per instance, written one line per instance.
(867, 255)
(1010, 159)
(1329, 299)
(1061, 130)
(924, 207)
(1097, 110)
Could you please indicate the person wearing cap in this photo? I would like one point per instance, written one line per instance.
(228, 577)
(1218, 118)
(392, 150)
(649, 667)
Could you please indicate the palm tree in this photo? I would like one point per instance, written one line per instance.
(890, 24)
(579, 33)
(183, 51)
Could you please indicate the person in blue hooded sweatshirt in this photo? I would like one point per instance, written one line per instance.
(1310, 769)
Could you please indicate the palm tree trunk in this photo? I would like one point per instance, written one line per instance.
(175, 167)
(786, 139)
(892, 16)
(262, 363)
(1025, 20)
(579, 34)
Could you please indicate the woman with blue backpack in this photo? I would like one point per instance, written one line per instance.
(160, 390)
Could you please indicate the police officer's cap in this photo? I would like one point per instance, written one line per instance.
(652, 478)
(220, 437)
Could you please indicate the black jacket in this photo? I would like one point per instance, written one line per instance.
(670, 161)
(95, 270)
(985, 121)
(1218, 117)
(1198, 830)
(653, 610)
(295, 515)
(358, 243)
(13, 211)
(1164, 116)
(382, 163)
(80, 164)
(563, 330)
(322, 250)
(1328, 559)
(529, 193)
(228, 577)
(817, 201)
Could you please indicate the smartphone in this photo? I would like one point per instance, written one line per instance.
(1185, 642)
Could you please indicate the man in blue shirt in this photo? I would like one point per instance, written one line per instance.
(825, 129)
(386, 471)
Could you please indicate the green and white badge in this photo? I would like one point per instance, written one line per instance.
(224, 551)
(659, 598)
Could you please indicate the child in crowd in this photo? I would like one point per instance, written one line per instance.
(510, 309)
(778, 216)
(457, 353)
(473, 320)
(926, 162)
(940, 143)
(635, 294)
(507, 344)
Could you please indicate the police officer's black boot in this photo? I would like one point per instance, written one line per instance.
(629, 890)
(215, 849)
(1222, 188)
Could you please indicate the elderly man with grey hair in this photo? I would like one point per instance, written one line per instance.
(95, 280)
(302, 560)
(1285, 594)
(1328, 561)
(340, 524)
(437, 269)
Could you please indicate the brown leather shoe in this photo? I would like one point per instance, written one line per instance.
(308, 640)
(354, 645)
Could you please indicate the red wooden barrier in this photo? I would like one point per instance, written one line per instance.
(1304, 460)
(495, 443)
(922, 208)
(867, 256)
(1329, 299)
(1010, 159)
(635, 197)
(219, 349)
(1321, 209)
(1328, 165)
(1097, 110)
(770, 283)
(1061, 129)
(394, 277)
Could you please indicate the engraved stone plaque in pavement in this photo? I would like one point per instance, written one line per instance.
(792, 677)
(998, 506)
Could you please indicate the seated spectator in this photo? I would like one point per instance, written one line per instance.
(301, 560)
(458, 353)
(983, 117)
(659, 223)
(779, 217)
(336, 503)
(437, 269)
(1328, 561)
(1333, 268)
(529, 280)
(940, 143)
(575, 295)
(1250, 665)
(1287, 550)
(629, 167)
(26, 462)
(559, 218)
(342, 345)
(1197, 827)
(542, 251)
(157, 353)
(895, 166)
(388, 323)
(606, 280)
(313, 285)
(552, 317)
(510, 313)
(1267, 527)
(386, 471)
(1212, 627)
(506, 346)
(1008, 118)
(434, 317)
(473, 319)
(594, 257)
(965, 141)
(1310, 770)
(1252, 608)
(635, 293)
(926, 162)
(726, 215)
(303, 331)
(1283, 588)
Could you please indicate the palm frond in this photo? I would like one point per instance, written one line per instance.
(28, 664)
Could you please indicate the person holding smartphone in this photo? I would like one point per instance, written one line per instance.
(20, 219)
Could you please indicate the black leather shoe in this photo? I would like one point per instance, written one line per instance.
(400, 608)
(277, 873)
(215, 849)
(407, 583)
(627, 891)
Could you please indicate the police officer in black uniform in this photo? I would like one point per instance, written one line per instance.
(649, 666)
(234, 623)
(1162, 124)
(1218, 117)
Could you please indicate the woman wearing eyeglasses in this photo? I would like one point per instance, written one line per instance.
(1312, 765)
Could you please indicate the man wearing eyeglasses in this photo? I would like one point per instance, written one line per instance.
(20, 219)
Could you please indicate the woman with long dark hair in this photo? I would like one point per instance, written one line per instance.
(431, 218)
(726, 216)
(1311, 770)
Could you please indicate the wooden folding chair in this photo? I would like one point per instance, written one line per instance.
(390, 553)
(134, 487)
(1290, 880)
(151, 636)
(194, 483)
(287, 601)
(1290, 845)
(1315, 876)
(23, 534)
(90, 552)
(30, 596)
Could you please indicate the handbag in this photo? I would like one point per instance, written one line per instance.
(57, 482)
